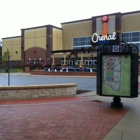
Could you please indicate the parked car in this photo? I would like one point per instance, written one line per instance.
(47, 69)
(71, 69)
(94, 69)
(90, 70)
(67, 69)
(57, 69)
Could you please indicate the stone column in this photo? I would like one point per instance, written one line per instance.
(53, 63)
(64, 65)
(81, 63)
(64, 58)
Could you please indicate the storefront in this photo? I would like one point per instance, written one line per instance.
(51, 46)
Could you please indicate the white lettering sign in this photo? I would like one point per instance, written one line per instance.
(96, 37)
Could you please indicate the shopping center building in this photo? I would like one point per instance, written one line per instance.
(75, 43)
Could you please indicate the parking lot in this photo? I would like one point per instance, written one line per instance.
(71, 69)
(83, 83)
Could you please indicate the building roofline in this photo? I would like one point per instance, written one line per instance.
(106, 14)
(11, 37)
(76, 21)
(110, 14)
(132, 12)
(88, 18)
(41, 27)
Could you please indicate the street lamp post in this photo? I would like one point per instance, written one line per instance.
(8, 70)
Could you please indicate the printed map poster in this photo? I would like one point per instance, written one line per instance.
(116, 75)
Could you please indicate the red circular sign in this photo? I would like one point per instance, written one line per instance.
(105, 19)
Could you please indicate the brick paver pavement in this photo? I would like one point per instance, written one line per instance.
(69, 118)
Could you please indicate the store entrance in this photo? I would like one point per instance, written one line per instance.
(88, 62)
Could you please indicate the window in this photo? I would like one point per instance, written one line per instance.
(82, 41)
(126, 37)
(132, 37)
(27, 62)
(135, 36)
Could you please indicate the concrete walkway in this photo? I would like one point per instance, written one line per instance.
(86, 116)
(128, 128)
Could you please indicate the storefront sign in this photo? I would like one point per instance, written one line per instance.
(96, 37)
(105, 20)
(105, 38)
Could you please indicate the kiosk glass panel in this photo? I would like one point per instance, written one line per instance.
(116, 75)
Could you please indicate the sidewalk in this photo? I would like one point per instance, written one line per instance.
(86, 116)
(128, 128)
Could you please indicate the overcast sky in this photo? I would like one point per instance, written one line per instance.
(19, 14)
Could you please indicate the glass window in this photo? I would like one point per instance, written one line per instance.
(74, 39)
(126, 35)
(89, 62)
(74, 43)
(131, 37)
(89, 38)
(32, 62)
(77, 43)
(86, 43)
(134, 34)
(135, 39)
(81, 41)
(126, 40)
(27, 62)
(78, 62)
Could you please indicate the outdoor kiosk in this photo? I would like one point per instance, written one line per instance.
(117, 71)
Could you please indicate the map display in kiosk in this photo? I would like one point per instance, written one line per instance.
(116, 75)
